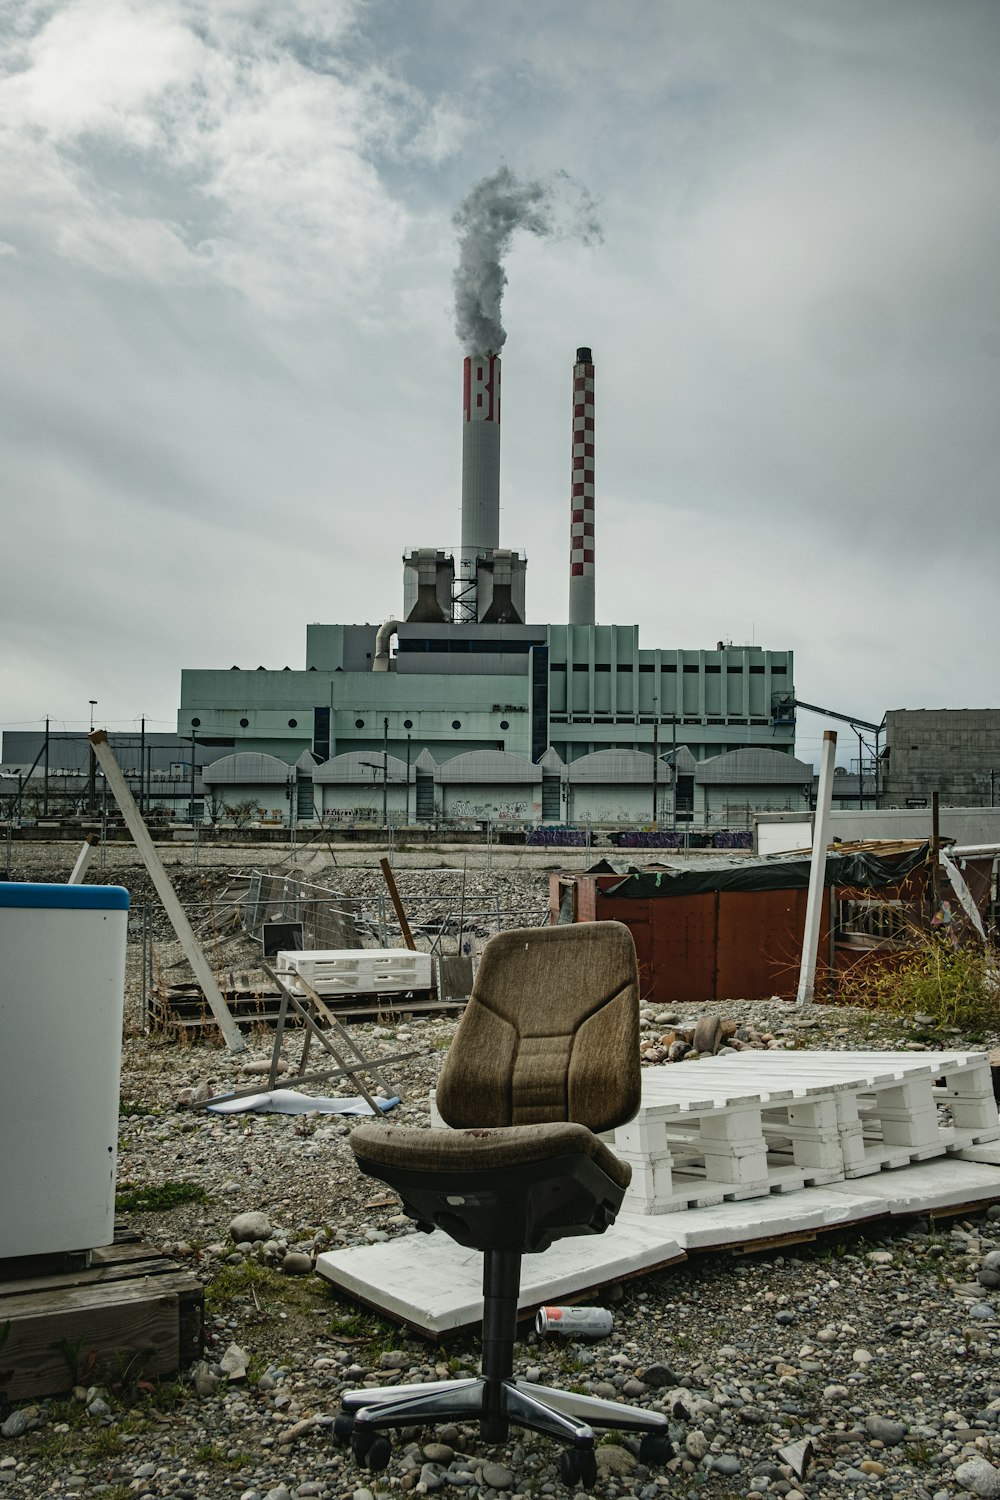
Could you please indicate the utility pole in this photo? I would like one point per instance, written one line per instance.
(192, 780)
(673, 727)
(92, 770)
(142, 766)
(656, 752)
(385, 772)
(45, 783)
(407, 780)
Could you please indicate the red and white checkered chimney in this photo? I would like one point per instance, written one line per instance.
(581, 556)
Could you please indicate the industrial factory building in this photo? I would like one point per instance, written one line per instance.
(461, 708)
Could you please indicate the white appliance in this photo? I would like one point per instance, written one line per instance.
(62, 988)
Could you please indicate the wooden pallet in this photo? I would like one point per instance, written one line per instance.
(131, 1312)
(772, 1122)
(181, 1009)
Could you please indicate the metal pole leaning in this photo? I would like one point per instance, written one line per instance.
(161, 880)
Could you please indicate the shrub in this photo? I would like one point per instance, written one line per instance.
(958, 987)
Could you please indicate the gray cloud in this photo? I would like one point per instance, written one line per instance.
(231, 393)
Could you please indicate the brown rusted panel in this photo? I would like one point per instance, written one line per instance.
(586, 900)
(760, 943)
(675, 941)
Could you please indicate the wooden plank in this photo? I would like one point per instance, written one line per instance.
(102, 1275)
(52, 1335)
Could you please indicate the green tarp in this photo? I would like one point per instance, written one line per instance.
(865, 870)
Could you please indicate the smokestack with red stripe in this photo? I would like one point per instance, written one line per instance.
(581, 556)
(480, 463)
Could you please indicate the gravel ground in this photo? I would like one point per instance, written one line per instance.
(852, 1367)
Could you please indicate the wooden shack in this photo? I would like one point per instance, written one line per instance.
(721, 929)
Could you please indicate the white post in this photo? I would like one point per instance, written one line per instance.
(83, 859)
(161, 880)
(817, 870)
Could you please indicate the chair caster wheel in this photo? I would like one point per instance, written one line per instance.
(379, 1453)
(343, 1428)
(655, 1449)
(370, 1448)
(578, 1466)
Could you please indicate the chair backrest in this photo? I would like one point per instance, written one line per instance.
(550, 1033)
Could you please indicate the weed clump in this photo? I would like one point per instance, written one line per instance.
(152, 1197)
(959, 987)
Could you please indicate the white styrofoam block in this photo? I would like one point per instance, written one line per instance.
(436, 1285)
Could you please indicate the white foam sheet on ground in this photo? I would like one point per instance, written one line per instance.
(291, 1102)
(435, 1285)
(922, 1187)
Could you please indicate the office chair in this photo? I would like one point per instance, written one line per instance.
(545, 1057)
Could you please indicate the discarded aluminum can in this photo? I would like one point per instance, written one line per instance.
(574, 1322)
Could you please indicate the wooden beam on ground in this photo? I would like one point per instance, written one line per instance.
(164, 889)
(397, 904)
(83, 859)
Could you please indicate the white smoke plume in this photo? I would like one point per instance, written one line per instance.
(497, 206)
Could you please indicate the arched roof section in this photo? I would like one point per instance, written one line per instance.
(360, 768)
(486, 767)
(611, 766)
(754, 767)
(246, 768)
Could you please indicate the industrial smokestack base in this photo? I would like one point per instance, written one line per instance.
(480, 471)
(581, 554)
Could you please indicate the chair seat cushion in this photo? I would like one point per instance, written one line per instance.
(416, 1149)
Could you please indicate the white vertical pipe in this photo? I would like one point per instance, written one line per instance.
(817, 870)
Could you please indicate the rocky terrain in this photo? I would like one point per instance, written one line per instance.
(856, 1366)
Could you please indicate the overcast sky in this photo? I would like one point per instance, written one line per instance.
(231, 384)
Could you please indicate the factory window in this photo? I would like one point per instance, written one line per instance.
(737, 670)
(758, 671)
(539, 669)
(691, 669)
(456, 723)
(709, 668)
(602, 666)
(504, 723)
(558, 666)
(244, 723)
(668, 667)
(407, 723)
(293, 723)
(359, 723)
(195, 723)
(321, 733)
(581, 666)
(778, 671)
(644, 668)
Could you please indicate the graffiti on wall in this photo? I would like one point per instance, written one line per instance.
(463, 808)
(350, 815)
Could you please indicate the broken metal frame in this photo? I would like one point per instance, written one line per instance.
(346, 1068)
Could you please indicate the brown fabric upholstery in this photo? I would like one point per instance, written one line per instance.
(551, 1032)
(419, 1150)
